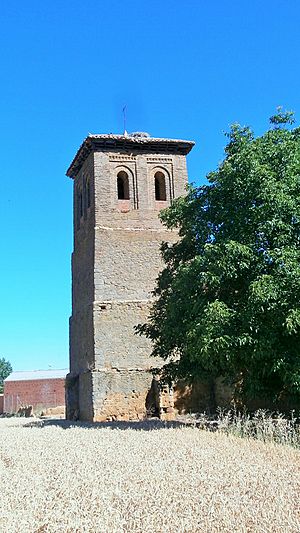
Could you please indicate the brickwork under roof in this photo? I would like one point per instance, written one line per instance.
(111, 142)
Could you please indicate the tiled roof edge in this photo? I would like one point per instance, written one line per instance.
(110, 141)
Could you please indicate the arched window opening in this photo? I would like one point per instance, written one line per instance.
(123, 186)
(160, 187)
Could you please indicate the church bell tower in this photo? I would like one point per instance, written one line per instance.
(120, 184)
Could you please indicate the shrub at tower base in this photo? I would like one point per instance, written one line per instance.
(228, 299)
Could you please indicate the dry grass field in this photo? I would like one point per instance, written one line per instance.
(150, 478)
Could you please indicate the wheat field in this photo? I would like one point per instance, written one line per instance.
(57, 477)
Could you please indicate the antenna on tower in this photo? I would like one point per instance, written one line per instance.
(124, 121)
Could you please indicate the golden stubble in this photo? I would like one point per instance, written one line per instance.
(57, 478)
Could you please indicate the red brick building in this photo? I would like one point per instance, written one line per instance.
(41, 389)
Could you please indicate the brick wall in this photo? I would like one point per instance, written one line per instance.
(40, 393)
(1, 404)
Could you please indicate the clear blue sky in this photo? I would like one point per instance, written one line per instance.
(184, 69)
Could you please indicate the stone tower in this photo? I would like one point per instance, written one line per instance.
(120, 184)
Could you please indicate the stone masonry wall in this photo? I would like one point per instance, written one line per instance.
(115, 263)
(127, 261)
(120, 394)
(128, 237)
(116, 344)
(81, 322)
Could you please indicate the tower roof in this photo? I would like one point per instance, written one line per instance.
(137, 143)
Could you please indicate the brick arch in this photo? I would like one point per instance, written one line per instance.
(125, 193)
(123, 185)
(161, 181)
(119, 168)
(162, 169)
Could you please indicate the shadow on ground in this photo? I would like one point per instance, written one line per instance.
(144, 425)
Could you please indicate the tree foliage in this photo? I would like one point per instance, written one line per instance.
(5, 370)
(228, 298)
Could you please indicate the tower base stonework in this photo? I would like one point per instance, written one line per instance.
(118, 395)
(120, 184)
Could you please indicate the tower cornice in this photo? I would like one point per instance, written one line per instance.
(126, 144)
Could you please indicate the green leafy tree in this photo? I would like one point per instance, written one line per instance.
(228, 298)
(5, 370)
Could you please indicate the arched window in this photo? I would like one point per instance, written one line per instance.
(123, 185)
(160, 186)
